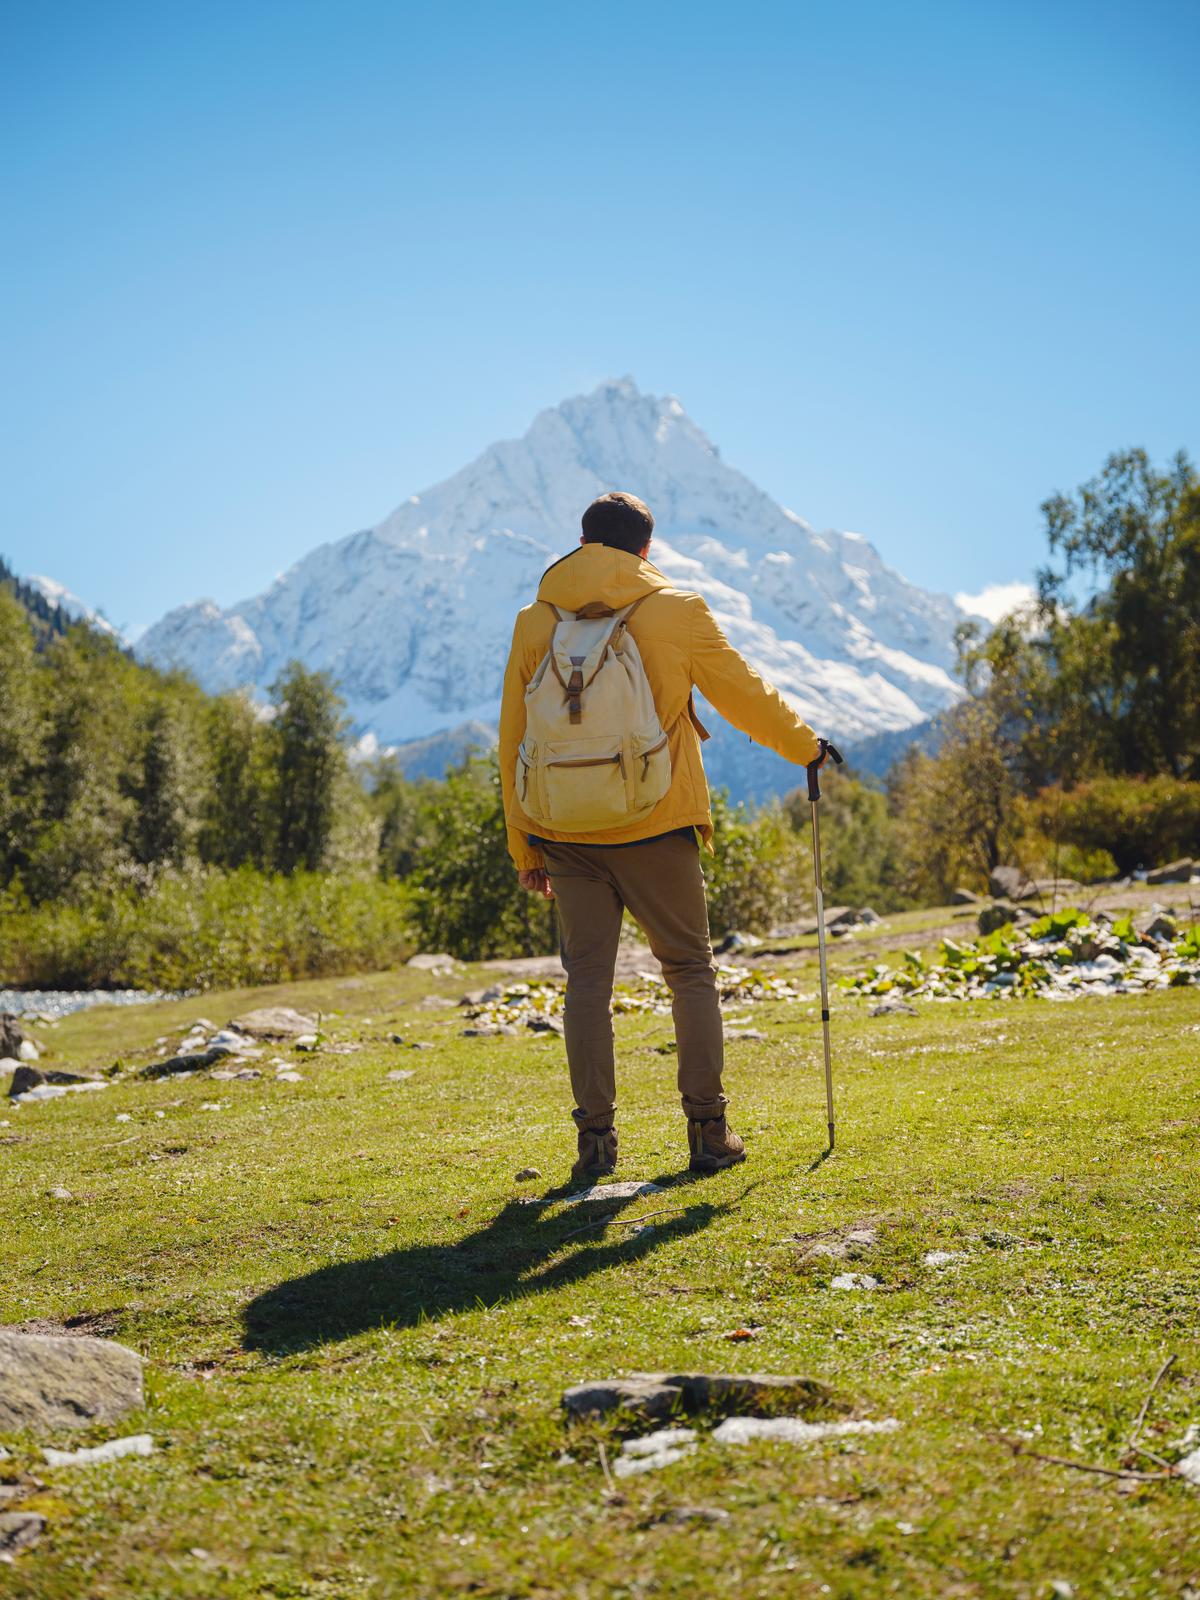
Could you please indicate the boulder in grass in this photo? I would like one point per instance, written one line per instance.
(657, 1394)
(1180, 871)
(1007, 883)
(434, 962)
(26, 1077)
(965, 897)
(51, 1381)
(275, 1022)
(19, 1530)
(11, 1036)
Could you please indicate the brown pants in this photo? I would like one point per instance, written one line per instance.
(661, 884)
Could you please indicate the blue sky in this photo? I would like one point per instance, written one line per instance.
(271, 267)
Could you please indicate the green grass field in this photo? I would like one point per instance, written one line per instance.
(358, 1327)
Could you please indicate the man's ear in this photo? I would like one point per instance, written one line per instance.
(644, 552)
(583, 538)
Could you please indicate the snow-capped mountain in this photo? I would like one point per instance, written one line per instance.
(413, 617)
(57, 594)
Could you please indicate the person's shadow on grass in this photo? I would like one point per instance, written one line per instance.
(526, 1249)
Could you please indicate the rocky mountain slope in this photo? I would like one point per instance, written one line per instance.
(413, 616)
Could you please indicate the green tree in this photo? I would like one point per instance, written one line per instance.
(310, 759)
(237, 827)
(168, 795)
(1134, 644)
(860, 856)
(467, 899)
(21, 735)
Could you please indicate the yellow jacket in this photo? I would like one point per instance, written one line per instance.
(681, 647)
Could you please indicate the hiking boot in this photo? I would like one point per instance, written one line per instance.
(714, 1145)
(597, 1154)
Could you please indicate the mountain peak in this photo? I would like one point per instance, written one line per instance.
(414, 616)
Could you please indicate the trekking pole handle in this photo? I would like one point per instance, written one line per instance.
(814, 767)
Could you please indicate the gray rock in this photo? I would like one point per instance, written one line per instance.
(48, 1381)
(1174, 872)
(274, 1022)
(995, 916)
(540, 1022)
(437, 1002)
(893, 1006)
(656, 1394)
(401, 1075)
(473, 997)
(643, 1397)
(680, 1516)
(11, 1037)
(1159, 927)
(439, 962)
(965, 897)
(486, 1030)
(19, 1530)
(1007, 883)
(28, 1051)
(27, 1077)
(744, 1033)
(869, 917)
(421, 1044)
(737, 941)
(188, 1061)
(527, 1175)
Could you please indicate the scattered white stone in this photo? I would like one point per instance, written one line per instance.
(941, 1258)
(1189, 1467)
(60, 1193)
(655, 1450)
(136, 1444)
(28, 1051)
(213, 1105)
(306, 1041)
(124, 1116)
(629, 1190)
(854, 1280)
(527, 1175)
(905, 1528)
(862, 1236)
(288, 1077)
(1061, 1589)
(55, 1091)
(741, 1430)
(399, 1075)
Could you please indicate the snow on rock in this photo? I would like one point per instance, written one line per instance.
(414, 616)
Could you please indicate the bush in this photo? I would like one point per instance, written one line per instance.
(1139, 822)
(205, 929)
(761, 872)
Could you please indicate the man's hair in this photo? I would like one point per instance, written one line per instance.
(619, 520)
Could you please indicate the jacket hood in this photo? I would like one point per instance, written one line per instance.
(597, 572)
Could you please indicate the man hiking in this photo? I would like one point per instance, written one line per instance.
(606, 801)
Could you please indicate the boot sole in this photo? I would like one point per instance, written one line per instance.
(715, 1163)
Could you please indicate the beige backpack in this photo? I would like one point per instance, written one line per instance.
(594, 754)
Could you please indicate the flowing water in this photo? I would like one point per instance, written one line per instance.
(56, 1003)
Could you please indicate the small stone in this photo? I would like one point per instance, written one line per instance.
(656, 1450)
(401, 1075)
(744, 1033)
(19, 1530)
(437, 1002)
(893, 1006)
(395, 1038)
(135, 1444)
(124, 1116)
(940, 1258)
(1174, 872)
(854, 1280)
(306, 1041)
(680, 1516)
(741, 1430)
(1061, 1589)
(274, 1022)
(432, 963)
(420, 1044)
(59, 1193)
(483, 1031)
(527, 1175)
(965, 897)
(1007, 883)
(27, 1050)
(288, 1076)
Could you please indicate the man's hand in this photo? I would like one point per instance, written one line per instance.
(536, 881)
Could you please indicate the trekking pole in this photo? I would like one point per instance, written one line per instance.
(814, 794)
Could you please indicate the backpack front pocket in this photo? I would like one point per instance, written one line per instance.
(586, 785)
(651, 771)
